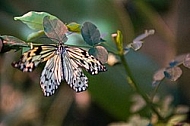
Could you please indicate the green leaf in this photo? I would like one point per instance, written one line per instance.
(34, 19)
(34, 35)
(74, 27)
(11, 43)
(55, 29)
(90, 34)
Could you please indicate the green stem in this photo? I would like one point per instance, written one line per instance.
(133, 84)
(155, 90)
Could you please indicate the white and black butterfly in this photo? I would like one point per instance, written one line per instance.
(63, 62)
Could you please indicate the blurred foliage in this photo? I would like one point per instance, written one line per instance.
(109, 97)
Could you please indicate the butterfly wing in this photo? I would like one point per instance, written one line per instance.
(85, 60)
(73, 74)
(63, 64)
(62, 67)
(30, 59)
(51, 76)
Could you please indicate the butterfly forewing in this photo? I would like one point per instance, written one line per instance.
(83, 59)
(73, 74)
(30, 59)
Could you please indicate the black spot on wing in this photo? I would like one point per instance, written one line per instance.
(84, 53)
(39, 50)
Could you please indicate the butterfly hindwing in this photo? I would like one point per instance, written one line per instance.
(51, 76)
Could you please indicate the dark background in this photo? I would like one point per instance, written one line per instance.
(109, 98)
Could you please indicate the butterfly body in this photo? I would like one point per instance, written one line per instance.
(63, 63)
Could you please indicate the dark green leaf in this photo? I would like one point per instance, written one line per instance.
(92, 51)
(90, 34)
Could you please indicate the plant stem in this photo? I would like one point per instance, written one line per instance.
(134, 85)
(155, 90)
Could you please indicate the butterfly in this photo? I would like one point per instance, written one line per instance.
(64, 63)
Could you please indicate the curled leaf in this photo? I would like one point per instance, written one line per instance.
(74, 27)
